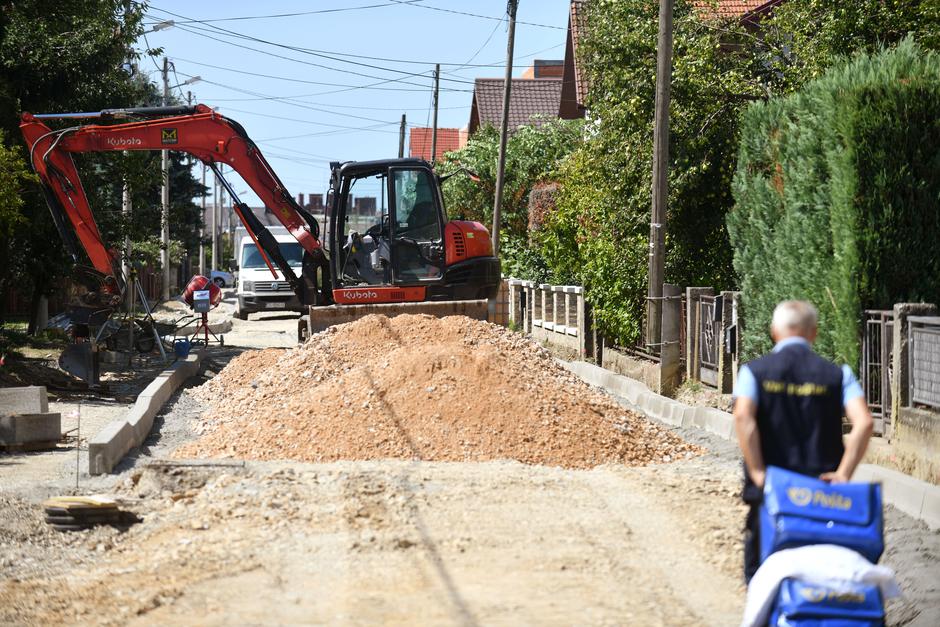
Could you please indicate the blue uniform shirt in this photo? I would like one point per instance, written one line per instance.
(746, 385)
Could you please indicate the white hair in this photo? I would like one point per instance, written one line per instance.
(794, 316)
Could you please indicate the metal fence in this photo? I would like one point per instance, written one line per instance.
(924, 360)
(708, 328)
(876, 369)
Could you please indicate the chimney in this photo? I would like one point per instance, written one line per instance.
(300, 199)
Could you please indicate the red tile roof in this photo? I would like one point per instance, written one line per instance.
(419, 142)
(731, 9)
(577, 25)
(529, 97)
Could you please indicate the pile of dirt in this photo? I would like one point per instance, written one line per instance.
(418, 387)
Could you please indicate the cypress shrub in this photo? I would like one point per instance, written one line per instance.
(837, 197)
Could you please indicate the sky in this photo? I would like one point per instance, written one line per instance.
(332, 78)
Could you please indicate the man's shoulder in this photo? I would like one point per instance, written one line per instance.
(758, 364)
(801, 352)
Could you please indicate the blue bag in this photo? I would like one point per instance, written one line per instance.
(800, 510)
(801, 604)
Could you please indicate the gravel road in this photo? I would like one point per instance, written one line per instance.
(393, 542)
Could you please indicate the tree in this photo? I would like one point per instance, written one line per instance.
(73, 55)
(806, 37)
(532, 155)
(601, 226)
(602, 223)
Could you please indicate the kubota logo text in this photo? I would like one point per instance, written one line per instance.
(123, 141)
(360, 294)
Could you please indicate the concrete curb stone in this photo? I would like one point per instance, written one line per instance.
(916, 498)
(109, 446)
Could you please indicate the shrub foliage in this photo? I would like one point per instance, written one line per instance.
(837, 196)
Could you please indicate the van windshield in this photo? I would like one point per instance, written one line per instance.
(292, 252)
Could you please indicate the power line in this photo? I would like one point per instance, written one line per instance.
(321, 104)
(393, 60)
(412, 3)
(503, 65)
(308, 51)
(286, 58)
(319, 110)
(307, 82)
(316, 134)
(485, 17)
(299, 120)
(297, 14)
(297, 104)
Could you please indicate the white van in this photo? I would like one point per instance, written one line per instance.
(257, 289)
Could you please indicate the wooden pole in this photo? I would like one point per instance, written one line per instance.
(401, 138)
(437, 86)
(660, 176)
(504, 126)
(165, 196)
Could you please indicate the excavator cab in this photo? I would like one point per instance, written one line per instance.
(389, 239)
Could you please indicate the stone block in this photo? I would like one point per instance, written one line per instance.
(109, 446)
(930, 512)
(25, 400)
(113, 442)
(27, 428)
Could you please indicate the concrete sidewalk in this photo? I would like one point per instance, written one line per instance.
(916, 498)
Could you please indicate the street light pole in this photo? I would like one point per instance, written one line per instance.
(437, 84)
(504, 128)
(165, 195)
(401, 138)
(215, 222)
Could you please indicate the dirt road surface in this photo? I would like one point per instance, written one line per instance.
(397, 542)
(390, 543)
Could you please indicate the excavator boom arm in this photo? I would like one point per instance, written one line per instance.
(199, 131)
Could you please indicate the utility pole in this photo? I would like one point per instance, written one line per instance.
(504, 128)
(127, 268)
(660, 176)
(215, 222)
(437, 86)
(202, 227)
(165, 195)
(202, 216)
(223, 221)
(401, 138)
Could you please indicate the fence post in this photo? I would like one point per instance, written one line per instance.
(585, 333)
(900, 363)
(596, 339)
(515, 303)
(726, 360)
(692, 298)
(670, 375)
(529, 310)
(555, 316)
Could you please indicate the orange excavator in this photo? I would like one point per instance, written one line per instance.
(409, 253)
(421, 255)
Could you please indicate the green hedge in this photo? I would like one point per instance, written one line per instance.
(837, 196)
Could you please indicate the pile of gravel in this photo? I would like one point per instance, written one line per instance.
(419, 387)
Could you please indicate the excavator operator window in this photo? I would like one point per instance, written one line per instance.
(366, 256)
(417, 244)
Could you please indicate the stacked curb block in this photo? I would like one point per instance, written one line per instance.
(111, 444)
(916, 498)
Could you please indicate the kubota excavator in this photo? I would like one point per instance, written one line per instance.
(409, 253)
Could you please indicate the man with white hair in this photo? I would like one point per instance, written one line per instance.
(788, 408)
